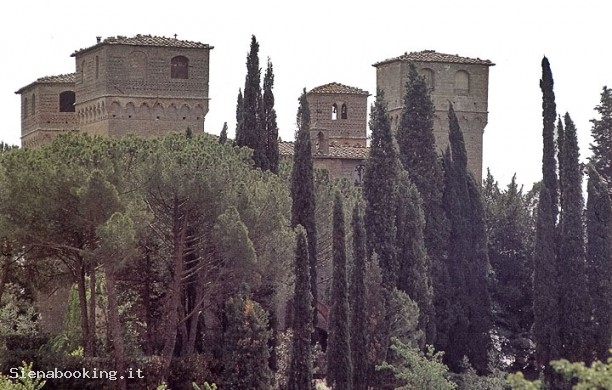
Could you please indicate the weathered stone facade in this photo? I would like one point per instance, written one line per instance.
(451, 78)
(144, 85)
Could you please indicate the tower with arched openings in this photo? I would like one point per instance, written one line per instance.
(143, 85)
(450, 78)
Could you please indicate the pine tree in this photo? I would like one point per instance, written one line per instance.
(357, 296)
(602, 136)
(245, 345)
(300, 367)
(252, 114)
(270, 126)
(549, 115)
(223, 135)
(380, 193)
(599, 263)
(545, 288)
(468, 260)
(574, 298)
(303, 193)
(340, 373)
(414, 277)
(239, 137)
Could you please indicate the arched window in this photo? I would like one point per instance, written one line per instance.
(25, 107)
(179, 67)
(343, 113)
(33, 104)
(428, 75)
(67, 100)
(334, 112)
(462, 82)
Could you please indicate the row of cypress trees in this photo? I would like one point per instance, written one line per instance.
(572, 290)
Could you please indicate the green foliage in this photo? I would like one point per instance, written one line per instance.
(418, 370)
(340, 373)
(23, 381)
(303, 192)
(223, 134)
(549, 116)
(599, 262)
(245, 344)
(270, 126)
(204, 386)
(602, 135)
(380, 193)
(239, 135)
(300, 368)
(357, 301)
(469, 318)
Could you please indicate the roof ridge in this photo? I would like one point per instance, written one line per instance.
(433, 56)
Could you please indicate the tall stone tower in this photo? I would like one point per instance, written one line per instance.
(338, 131)
(47, 109)
(143, 85)
(451, 78)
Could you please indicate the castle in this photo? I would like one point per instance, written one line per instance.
(149, 85)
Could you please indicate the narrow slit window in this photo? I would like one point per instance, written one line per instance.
(343, 113)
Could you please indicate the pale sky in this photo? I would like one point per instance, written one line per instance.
(316, 42)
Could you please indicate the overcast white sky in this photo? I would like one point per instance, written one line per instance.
(315, 42)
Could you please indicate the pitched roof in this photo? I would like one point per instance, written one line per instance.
(338, 88)
(433, 56)
(57, 79)
(146, 40)
(285, 148)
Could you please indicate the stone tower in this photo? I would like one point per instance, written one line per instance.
(451, 78)
(47, 108)
(338, 131)
(143, 85)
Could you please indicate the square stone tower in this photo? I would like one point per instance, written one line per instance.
(144, 85)
(451, 78)
(338, 131)
(47, 108)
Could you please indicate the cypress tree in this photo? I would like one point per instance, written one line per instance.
(300, 366)
(599, 264)
(340, 372)
(468, 259)
(602, 136)
(239, 137)
(545, 288)
(245, 344)
(303, 193)
(560, 142)
(414, 278)
(252, 112)
(270, 126)
(223, 135)
(380, 193)
(357, 296)
(574, 299)
(549, 115)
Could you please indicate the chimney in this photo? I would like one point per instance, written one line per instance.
(99, 39)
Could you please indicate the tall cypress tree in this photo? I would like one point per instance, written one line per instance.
(414, 277)
(599, 263)
(252, 112)
(340, 374)
(468, 259)
(270, 126)
(602, 136)
(357, 296)
(300, 367)
(239, 137)
(223, 134)
(380, 193)
(419, 156)
(303, 193)
(560, 142)
(549, 116)
(574, 298)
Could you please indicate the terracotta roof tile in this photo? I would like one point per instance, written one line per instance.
(338, 88)
(57, 79)
(433, 56)
(146, 40)
(285, 149)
